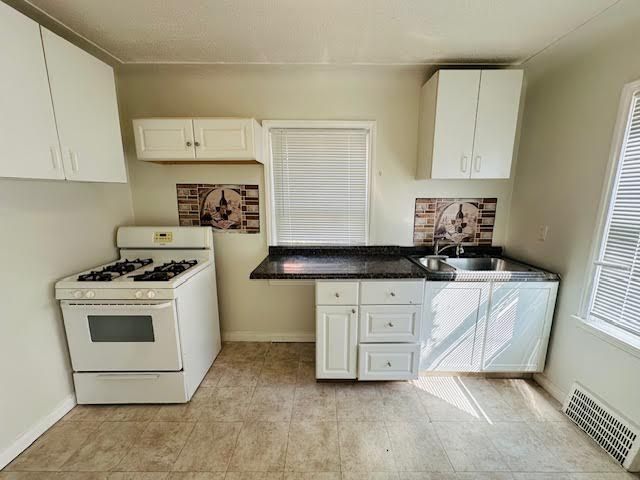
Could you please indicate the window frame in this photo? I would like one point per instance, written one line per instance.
(267, 125)
(618, 336)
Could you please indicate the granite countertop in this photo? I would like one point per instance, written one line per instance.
(297, 263)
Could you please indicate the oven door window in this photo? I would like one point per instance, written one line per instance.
(121, 328)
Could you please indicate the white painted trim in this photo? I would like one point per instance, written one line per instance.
(624, 110)
(31, 435)
(550, 387)
(369, 125)
(252, 336)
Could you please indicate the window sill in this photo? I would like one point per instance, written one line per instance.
(612, 335)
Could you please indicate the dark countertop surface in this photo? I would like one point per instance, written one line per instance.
(310, 263)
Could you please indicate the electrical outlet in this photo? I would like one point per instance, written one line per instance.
(543, 231)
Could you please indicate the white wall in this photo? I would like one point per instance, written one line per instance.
(49, 230)
(389, 95)
(571, 106)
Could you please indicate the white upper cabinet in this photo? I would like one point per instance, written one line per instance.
(85, 104)
(198, 139)
(28, 137)
(468, 124)
(161, 138)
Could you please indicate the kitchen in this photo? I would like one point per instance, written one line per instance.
(72, 225)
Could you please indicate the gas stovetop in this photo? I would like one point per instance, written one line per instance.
(160, 273)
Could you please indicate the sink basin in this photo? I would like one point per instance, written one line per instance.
(487, 264)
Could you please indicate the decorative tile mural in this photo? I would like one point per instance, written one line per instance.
(468, 221)
(228, 208)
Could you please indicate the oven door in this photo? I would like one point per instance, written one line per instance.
(122, 336)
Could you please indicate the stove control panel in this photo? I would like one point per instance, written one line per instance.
(143, 294)
(86, 294)
(162, 237)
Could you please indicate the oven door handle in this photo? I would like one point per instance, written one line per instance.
(132, 376)
(117, 306)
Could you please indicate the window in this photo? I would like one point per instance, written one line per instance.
(318, 182)
(615, 293)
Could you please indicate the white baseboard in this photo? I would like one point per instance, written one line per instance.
(248, 336)
(553, 390)
(31, 435)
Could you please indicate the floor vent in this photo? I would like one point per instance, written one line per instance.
(611, 430)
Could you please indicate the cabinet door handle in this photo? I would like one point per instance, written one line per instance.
(390, 325)
(197, 144)
(478, 163)
(353, 310)
(189, 144)
(74, 161)
(464, 163)
(393, 294)
(388, 364)
(55, 157)
(337, 295)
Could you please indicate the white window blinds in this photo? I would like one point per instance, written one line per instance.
(616, 295)
(320, 185)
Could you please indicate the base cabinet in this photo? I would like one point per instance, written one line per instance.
(388, 361)
(336, 341)
(487, 326)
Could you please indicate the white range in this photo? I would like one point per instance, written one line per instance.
(144, 329)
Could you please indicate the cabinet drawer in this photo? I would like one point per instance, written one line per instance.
(408, 292)
(390, 323)
(336, 293)
(388, 361)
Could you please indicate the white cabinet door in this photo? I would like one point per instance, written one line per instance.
(28, 137)
(164, 138)
(455, 119)
(452, 312)
(517, 329)
(224, 139)
(498, 106)
(336, 341)
(86, 109)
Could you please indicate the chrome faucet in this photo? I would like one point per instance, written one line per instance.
(437, 250)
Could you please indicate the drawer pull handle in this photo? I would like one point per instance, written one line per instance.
(390, 325)
(392, 294)
(388, 364)
(337, 295)
(353, 310)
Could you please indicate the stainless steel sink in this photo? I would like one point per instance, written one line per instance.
(487, 264)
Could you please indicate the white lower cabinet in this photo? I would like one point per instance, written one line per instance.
(336, 341)
(486, 326)
(388, 361)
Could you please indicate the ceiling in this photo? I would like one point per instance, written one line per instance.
(322, 31)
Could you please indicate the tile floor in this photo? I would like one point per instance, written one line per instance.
(260, 415)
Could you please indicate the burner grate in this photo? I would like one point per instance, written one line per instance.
(114, 270)
(164, 272)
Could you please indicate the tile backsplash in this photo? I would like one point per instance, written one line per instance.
(226, 208)
(468, 221)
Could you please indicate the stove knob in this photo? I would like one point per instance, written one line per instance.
(90, 294)
(151, 294)
(77, 294)
(138, 294)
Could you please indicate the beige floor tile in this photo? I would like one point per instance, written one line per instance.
(365, 447)
(271, 404)
(306, 373)
(134, 413)
(4, 475)
(521, 448)
(313, 447)
(91, 413)
(370, 476)
(308, 352)
(456, 476)
(284, 351)
(528, 400)
(196, 476)
(105, 448)
(358, 402)
(573, 448)
(314, 402)
(157, 448)
(209, 447)
(241, 375)
(227, 404)
(213, 376)
(279, 372)
(416, 447)
(254, 476)
(468, 449)
(243, 352)
(312, 476)
(604, 476)
(402, 406)
(138, 476)
(55, 447)
(261, 447)
(542, 476)
(446, 400)
(488, 400)
(185, 412)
